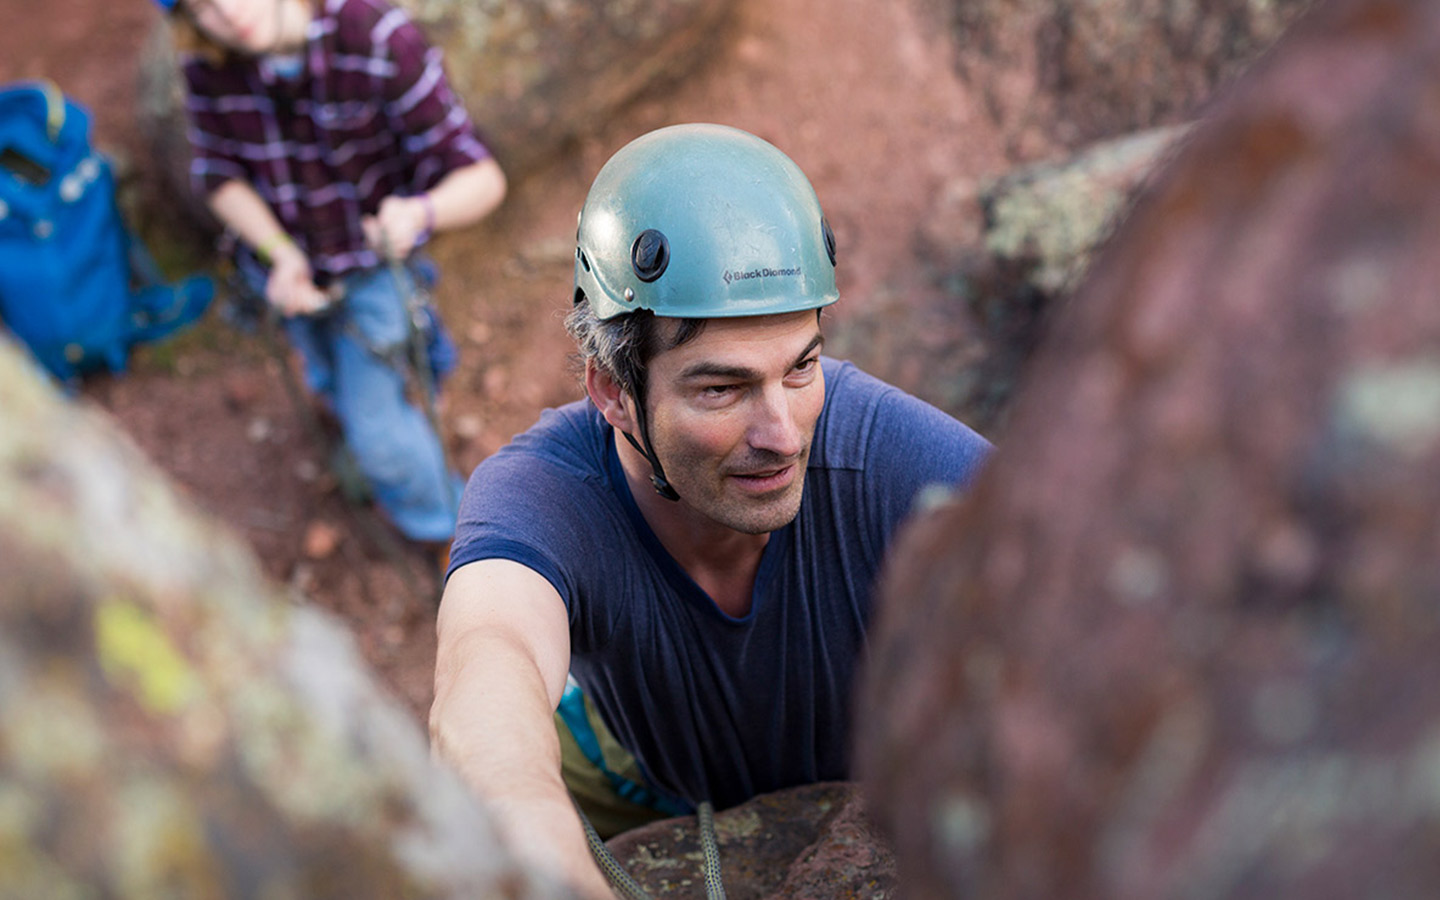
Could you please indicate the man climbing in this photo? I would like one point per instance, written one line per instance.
(695, 543)
(327, 141)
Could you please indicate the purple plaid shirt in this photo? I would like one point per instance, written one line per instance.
(369, 114)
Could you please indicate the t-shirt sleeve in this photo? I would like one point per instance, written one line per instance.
(545, 501)
(533, 525)
(440, 136)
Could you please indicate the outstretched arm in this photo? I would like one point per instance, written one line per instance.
(501, 662)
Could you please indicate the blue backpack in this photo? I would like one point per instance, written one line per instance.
(75, 286)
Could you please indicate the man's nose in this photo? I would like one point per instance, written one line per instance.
(775, 428)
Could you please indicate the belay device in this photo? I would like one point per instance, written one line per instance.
(76, 287)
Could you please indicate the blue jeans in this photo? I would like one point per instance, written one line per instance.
(354, 358)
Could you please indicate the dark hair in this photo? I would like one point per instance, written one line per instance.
(622, 346)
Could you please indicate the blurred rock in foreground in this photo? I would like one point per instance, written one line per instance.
(807, 842)
(1182, 639)
(172, 727)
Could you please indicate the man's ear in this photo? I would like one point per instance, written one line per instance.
(609, 397)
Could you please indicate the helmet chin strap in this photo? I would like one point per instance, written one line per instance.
(657, 475)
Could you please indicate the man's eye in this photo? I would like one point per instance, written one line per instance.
(804, 368)
(717, 390)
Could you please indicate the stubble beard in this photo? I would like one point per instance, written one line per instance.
(743, 514)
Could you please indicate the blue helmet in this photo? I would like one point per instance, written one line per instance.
(703, 221)
(166, 5)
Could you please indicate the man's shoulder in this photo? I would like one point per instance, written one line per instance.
(539, 499)
(848, 385)
(852, 400)
(863, 413)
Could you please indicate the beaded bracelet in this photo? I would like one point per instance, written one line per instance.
(266, 249)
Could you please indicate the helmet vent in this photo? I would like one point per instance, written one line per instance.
(829, 237)
(649, 255)
(580, 255)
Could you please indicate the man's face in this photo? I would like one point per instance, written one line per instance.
(732, 415)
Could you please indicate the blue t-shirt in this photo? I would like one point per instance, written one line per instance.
(712, 706)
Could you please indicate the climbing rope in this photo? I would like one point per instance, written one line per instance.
(414, 301)
(619, 879)
(630, 889)
(710, 847)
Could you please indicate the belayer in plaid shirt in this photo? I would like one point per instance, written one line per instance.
(326, 139)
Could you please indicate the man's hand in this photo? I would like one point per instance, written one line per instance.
(398, 226)
(291, 287)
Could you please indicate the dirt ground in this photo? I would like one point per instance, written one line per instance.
(861, 93)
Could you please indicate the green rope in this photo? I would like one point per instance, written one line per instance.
(627, 887)
(619, 879)
(420, 359)
(710, 847)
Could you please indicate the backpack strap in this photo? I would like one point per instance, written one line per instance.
(54, 108)
(159, 309)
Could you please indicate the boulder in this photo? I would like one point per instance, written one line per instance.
(1076, 72)
(1180, 638)
(540, 73)
(170, 723)
(1052, 215)
(1041, 225)
(807, 842)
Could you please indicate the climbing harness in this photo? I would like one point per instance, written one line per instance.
(626, 886)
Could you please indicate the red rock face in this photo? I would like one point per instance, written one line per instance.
(814, 841)
(1180, 640)
(1079, 72)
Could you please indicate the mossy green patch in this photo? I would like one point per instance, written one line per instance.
(133, 649)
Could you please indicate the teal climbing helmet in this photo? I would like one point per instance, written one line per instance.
(703, 221)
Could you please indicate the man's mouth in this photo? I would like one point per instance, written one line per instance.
(765, 480)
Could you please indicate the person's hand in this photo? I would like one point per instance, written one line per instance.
(398, 226)
(291, 287)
